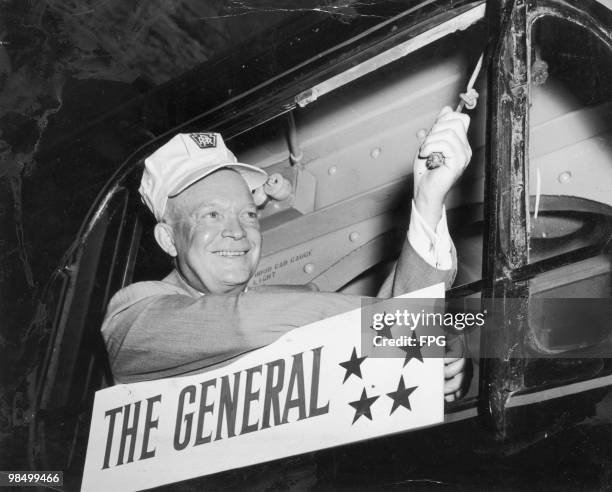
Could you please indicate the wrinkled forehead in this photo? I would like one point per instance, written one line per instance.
(223, 187)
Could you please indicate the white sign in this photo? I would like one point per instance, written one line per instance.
(311, 389)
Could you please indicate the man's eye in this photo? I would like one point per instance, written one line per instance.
(212, 215)
(250, 215)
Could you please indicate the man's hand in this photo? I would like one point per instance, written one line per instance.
(454, 368)
(448, 136)
(454, 374)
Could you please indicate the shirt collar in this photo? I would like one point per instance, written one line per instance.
(176, 278)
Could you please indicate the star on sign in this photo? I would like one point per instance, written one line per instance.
(386, 330)
(412, 351)
(400, 396)
(362, 406)
(352, 365)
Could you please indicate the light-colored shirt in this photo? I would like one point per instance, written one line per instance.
(435, 247)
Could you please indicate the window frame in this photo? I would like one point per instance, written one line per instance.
(57, 399)
(506, 270)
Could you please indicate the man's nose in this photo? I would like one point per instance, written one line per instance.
(233, 228)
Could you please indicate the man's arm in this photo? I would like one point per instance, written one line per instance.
(428, 255)
(153, 332)
(428, 245)
(411, 272)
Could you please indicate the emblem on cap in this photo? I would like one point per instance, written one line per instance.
(204, 140)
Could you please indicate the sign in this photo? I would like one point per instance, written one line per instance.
(312, 389)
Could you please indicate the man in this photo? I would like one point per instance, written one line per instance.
(203, 315)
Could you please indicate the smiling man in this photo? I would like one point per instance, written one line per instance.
(217, 232)
(203, 315)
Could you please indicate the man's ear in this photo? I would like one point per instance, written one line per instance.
(164, 235)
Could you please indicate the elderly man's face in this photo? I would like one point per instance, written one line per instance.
(216, 233)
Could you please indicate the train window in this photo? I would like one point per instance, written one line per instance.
(94, 270)
(570, 141)
(570, 180)
(77, 364)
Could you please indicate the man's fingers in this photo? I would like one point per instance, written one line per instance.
(463, 151)
(455, 126)
(453, 115)
(450, 143)
(444, 111)
(448, 359)
(421, 136)
(450, 146)
(436, 146)
(448, 136)
(453, 396)
(453, 366)
(454, 384)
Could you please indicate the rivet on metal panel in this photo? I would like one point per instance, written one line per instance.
(565, 177)
(332, 170)
(354, 236)
(375, 153)
(308, 268)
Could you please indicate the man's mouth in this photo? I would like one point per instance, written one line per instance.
(230, 253)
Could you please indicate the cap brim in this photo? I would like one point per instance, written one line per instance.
(253, 176)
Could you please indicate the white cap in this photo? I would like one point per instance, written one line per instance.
(185, 159)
